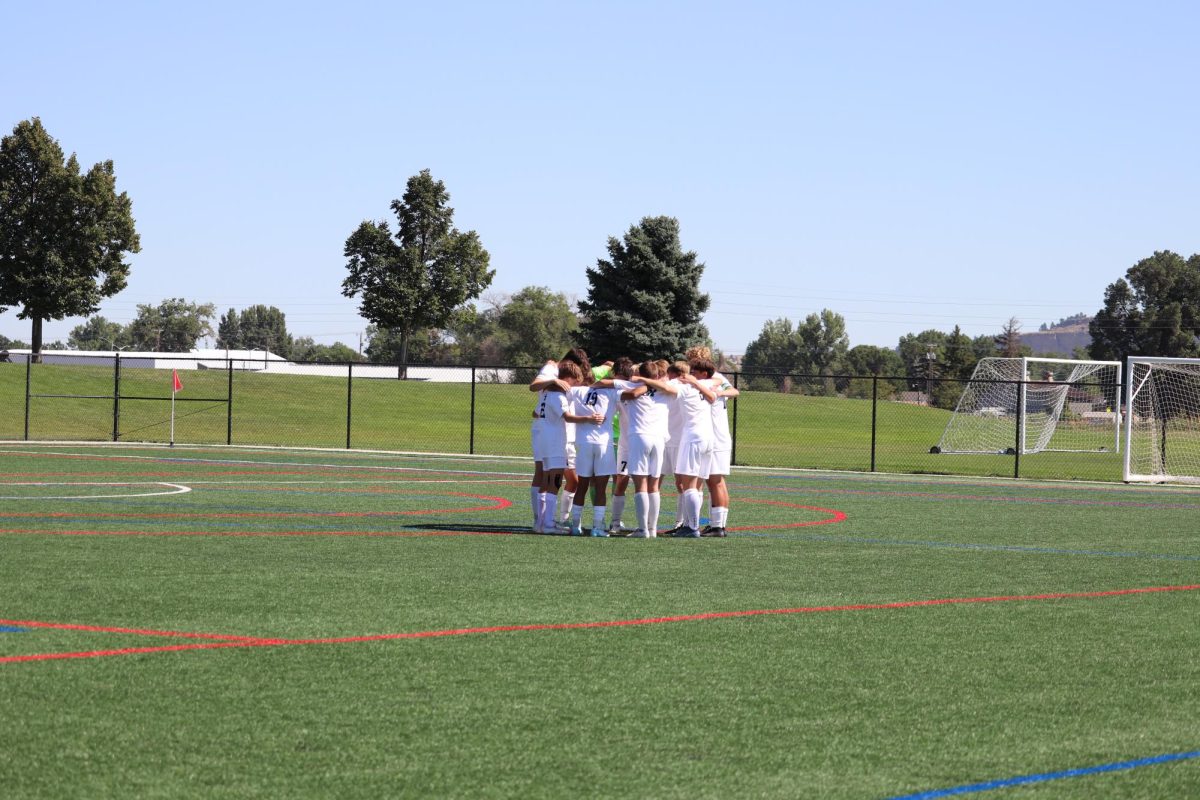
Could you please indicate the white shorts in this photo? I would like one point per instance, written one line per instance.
(693, 458)
(623, 456)
(670, 453)
(646, 456)
(595, 459)
(570, 455)
(535, 443)
(554, 462)
(718, 462)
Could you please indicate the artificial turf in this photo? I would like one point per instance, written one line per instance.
(833, 700)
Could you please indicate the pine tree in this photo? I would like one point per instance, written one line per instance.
(644, 301)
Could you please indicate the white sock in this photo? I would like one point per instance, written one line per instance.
(576, 514)
(652, 516)
(565, 500)
(618, 508)
(719, 517)
(535, 501)
(598, 516)
(641, 506)
(693, 501)
(548, 512)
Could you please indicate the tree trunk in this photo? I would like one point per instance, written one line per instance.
(35, 345)
(404, 355)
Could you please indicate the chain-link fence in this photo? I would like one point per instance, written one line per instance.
(833, 422)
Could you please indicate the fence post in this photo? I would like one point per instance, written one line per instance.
(28, 367)
(471, 443)
(229, 403)
(349, 398)
(874, 415)
(733, 433)
(117, 398)
(1020, 428)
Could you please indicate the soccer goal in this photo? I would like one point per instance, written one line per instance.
(1037, 405)
(1162, 420)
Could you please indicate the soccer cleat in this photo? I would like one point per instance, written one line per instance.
(618, 528)
(718, 533)
(599, 533)
(639, 534)
(686, 533)
(575, 530)
(536, 528)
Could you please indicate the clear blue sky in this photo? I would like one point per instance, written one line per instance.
(907, 165)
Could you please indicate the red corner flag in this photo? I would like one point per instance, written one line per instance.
(176, 384)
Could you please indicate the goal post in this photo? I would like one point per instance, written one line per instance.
(1036, 405)
(1162, 420)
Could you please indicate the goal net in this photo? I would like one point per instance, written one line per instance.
(1162, 424)
(1036, 405)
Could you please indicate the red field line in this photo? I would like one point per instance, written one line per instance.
(34, 531)
(835, 515)
(566, 626)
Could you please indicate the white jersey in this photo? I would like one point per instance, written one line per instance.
(696, 414)
(554, 428)
(722, 440)
(675, 418)
(589, 400)
(549, 371)
(647, 415)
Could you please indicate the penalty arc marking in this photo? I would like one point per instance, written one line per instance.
(171, 488)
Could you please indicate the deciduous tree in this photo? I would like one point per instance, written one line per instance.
(419, 276)
(98, 333)
(64, 234)
(173, 326)
(1153, 311)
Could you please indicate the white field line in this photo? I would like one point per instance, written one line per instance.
(351, 483)
(177, 489)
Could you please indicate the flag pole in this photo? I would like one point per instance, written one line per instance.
(176, 385)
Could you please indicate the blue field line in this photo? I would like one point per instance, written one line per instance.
(1012, 548)
(12, 629)
(1042, 777)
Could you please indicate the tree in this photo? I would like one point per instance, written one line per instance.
(958, 362)
(63, 233)
(644, 301)
(424, 346)
(229, 331)
(535, 323)
(97, 333)
(173, 326)
(307, 350)
(264, 328)
(1153, 311)
(775, 350)
(1008, 341)
(822, 345)
(867, 359)
(417, 278)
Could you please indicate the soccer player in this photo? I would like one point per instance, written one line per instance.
(674, 372)
(622, 370)
(545, 378)
(557, 410)
(647, 400)
(578, 356)
(692, 459)
(596, 459)
(718, 490)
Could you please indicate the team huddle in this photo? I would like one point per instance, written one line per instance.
(633, 423)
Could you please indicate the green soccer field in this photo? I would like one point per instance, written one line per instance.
(227, 622)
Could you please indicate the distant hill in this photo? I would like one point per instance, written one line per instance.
(1061, 337)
